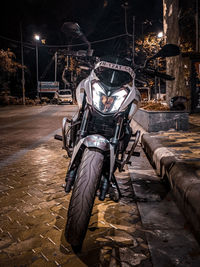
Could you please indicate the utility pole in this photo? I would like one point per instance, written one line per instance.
(133, 50)
(125, 6)
(56, 60)
(197, 27)
(156, 78)
(37, 38)
(36, 51)
(22, 60)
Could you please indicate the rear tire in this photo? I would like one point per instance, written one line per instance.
(83, 196)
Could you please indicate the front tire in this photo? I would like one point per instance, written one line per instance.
(83, 196)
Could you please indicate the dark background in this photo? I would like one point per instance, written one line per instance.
(98, 19)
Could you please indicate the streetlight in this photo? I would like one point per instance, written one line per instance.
(37, 38)
(157, 79)
(160, 35)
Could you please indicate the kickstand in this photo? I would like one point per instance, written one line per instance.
(131, 152)
(117, 186)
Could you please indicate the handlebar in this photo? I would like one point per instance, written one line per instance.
(162, 75)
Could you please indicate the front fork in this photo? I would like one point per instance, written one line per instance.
(113, 146)
(82, 131)
(71, 173)
(113, 153)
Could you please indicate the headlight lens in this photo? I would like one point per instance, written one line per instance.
(107, 103)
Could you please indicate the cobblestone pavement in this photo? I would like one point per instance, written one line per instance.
(34, 206)
(185, 145)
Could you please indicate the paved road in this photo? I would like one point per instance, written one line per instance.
(23, 128)
(34, 206)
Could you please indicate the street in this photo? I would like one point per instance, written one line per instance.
(145, 228)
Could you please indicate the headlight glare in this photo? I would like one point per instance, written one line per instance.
(107, 103)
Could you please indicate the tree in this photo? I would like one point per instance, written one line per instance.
(8, 68)
(146, 48)
(179, 25)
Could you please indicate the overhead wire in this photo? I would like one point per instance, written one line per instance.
(28, 45)
(14, 41)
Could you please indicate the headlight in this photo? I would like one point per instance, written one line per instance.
(107, 102)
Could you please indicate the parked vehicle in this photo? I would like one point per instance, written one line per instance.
(96, 139)
(63, 96)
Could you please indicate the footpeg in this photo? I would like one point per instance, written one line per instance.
(58, 137)
(136, 154)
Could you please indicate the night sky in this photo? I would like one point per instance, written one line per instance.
(98, 19)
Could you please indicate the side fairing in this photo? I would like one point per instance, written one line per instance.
(133, 109)
(133, 95)
(134, 105)
(80, 93)
(85, 87)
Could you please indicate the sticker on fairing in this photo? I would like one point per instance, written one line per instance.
(115, 67)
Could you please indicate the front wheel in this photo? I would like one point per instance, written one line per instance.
(83, 196)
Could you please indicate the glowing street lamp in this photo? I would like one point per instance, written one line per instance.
(160, 35)
(37, 38)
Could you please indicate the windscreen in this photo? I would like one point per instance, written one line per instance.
(112, 78)
(114, 71)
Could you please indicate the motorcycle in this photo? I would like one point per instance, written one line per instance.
(97, 138)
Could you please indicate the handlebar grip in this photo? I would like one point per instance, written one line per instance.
(159, 74)
(164, 76)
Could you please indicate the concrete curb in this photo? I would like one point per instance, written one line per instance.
(184, 178)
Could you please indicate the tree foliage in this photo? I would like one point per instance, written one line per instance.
(8, 61)
(149, 46)
(8, 68)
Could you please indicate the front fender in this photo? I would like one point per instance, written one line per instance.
(91, 141)
(97, 141)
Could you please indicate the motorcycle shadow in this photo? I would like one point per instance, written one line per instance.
(114, 232)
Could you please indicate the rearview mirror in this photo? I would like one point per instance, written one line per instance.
(169, 50)
(72, 29)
